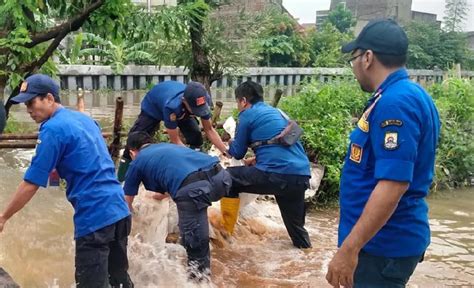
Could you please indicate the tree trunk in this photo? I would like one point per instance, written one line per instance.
(201, 67)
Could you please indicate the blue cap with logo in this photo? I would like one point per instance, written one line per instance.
(35, 85)
(383, 36)
(197, 97)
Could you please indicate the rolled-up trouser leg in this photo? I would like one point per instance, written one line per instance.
(194, 229)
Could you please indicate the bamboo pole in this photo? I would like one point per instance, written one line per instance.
(276, 99)
(217, 112)
(34, 136)
(114, 147)
(81, 107)
(16, 145)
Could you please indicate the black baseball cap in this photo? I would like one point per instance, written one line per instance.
(197, 97)
(383, 36)
(38, 84)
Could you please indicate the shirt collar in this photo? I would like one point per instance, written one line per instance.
(396, 76)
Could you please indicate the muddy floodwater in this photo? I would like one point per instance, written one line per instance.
(37, 247)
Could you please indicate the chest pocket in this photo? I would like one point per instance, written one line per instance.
(359, 148)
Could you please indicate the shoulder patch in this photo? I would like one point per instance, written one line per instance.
(356, 153)
(391, 122)
(173, 117)
(391, 140)
(363, 124)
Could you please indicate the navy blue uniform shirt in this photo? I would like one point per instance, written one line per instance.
(263, 122)
(72, 143)
(164, 103)
(396, 140)
(163, 167)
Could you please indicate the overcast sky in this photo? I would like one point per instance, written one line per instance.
(305, 10)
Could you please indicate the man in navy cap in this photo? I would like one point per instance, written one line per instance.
(72, 143)
(389, 167)
(177, 105)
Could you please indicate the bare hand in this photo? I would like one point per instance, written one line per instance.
(252, 161)
(342, 267)
(159, 196)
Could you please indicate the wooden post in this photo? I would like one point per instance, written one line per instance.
(217, 113)
(458, 70)
(34, 136)
(115, 145)
(16, 145)
(276, 99)
(80, 100)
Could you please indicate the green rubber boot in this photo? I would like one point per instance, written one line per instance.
(122, 169)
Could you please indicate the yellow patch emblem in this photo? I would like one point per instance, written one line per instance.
(363, 124)
(23, 86)
(356, 153)
(173, 117)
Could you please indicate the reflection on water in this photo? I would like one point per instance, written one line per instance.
(37, 245)
(100, 105)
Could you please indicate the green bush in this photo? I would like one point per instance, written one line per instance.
(455, 157)
(328, 112)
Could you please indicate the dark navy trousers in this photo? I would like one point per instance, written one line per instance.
(289, 193)
(192, 201)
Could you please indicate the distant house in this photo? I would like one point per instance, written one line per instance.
(425, 17)
(321, 17)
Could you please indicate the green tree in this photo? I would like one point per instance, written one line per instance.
(456, 12)
(280, 41)
(341, 18)
(432, 47)
(31, 31)
(326, 46)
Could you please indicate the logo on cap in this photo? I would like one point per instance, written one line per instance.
(200, 101)
(23, 86)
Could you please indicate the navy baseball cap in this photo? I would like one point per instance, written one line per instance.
(198, 98)
(38, 84)
(383, 36)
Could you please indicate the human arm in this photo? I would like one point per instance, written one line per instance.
(251, 161)
(394, 136)
(239, 146)
(213, 136)
(20, 198)
(173, 134)
(129, 199)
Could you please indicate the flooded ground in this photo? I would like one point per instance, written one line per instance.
(37, 245)
(101, 104)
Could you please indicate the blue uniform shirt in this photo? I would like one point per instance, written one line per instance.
(164, 103)
(72, 143)
(263, 122)
(395, 139)
(163, 167)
